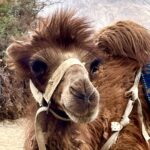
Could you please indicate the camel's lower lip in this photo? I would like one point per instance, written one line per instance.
(68, 114)
(78, 118)
(72, 113)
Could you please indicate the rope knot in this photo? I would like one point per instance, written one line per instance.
(116, 126)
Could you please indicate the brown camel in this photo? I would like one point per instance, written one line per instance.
(79, 84)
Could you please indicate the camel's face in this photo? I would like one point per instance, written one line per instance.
(75, 94)
(79, 98)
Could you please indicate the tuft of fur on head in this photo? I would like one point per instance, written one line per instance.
(125, 39)
(62, 30)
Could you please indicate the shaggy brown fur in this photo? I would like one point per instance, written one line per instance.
(61, 32)
(126, 39)
(127, 46)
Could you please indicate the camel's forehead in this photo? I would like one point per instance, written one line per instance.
(58, 55)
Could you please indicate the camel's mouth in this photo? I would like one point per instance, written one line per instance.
(64, 113)
(89, 116)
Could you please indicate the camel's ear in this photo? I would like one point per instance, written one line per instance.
(18, 57)
(125, 39)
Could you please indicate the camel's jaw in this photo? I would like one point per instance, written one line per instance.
(90, 116)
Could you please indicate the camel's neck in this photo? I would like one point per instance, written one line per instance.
(68, 135)
(113, 84)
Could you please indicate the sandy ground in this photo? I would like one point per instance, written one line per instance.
(12, 135)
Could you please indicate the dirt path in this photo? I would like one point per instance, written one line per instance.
(12, 135)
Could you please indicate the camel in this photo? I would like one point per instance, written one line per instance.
(81, 81)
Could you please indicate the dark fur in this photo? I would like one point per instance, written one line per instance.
(128, 47)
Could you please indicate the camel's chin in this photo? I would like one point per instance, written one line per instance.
(89, 117)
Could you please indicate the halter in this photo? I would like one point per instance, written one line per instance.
(47, 95)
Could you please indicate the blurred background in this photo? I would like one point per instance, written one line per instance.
(18, 17)
(104, 12)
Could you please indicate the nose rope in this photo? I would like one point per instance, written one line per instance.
(47, 95)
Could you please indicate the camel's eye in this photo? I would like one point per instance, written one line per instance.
(95, 66)
(38, 68)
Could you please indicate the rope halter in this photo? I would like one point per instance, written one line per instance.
(116, 127)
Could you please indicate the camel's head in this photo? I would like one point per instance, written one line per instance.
(76, 94)
(61, 41)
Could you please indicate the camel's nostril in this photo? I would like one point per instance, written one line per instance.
(75, 92)
(82, 90)
(93, 96)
